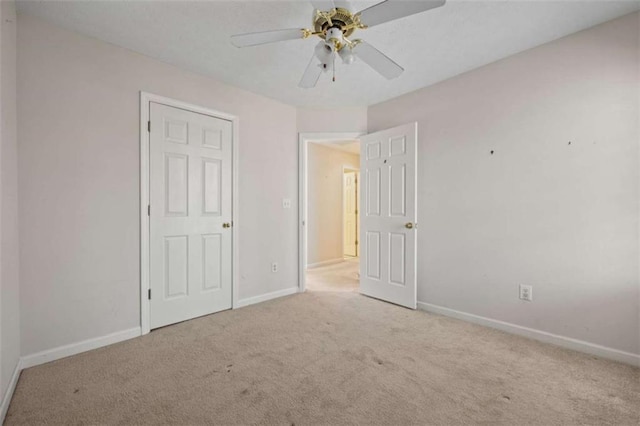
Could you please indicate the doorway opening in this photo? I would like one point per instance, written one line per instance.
(387, 247)
(330, 169)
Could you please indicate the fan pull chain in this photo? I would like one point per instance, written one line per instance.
(334, 67)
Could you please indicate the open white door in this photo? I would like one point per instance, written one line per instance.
(190, 215)
(387, 227)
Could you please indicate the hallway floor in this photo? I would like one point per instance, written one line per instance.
(344, 276)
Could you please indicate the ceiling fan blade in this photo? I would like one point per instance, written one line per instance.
(311, 74)
(323, 5)
(394, 9)
(254, 39)
(377, 60)
(343, 4)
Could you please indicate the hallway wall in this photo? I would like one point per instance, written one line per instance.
(324, 209)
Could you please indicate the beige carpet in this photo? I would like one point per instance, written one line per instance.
(328, 358)
(343, 276)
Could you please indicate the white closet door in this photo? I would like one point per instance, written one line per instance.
(190, 194)
(388, 241)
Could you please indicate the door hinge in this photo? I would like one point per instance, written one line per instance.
(356, 242)
(149, 294)
(149, 126)
(148, 209)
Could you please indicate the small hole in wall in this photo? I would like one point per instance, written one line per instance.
(569, 143)
(491, 152)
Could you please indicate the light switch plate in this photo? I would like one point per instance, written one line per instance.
(286, 203)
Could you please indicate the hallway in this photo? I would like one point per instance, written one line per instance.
(342, 276)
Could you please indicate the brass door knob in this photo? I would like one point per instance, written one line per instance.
(408, 225)
(226, 225)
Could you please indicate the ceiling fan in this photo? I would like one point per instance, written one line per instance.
(334, 23)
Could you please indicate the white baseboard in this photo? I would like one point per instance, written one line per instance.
(10, 389)
(76, 348)
(325, 263)
(264, 297)
(542, 336)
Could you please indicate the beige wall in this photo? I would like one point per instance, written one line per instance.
(9, 288)
(324, 204)
(78, 120)
(555, 206)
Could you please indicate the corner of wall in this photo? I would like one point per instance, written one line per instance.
(9, 286)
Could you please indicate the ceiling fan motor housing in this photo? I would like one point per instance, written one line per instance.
(339, 18)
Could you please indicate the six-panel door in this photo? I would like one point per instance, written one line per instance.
(388, 230)
(190, 197)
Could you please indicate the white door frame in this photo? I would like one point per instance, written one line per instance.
(303, 145)
(145, 99)
(346, 169)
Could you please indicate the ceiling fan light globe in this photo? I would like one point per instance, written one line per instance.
(347, 56)
(324, 52)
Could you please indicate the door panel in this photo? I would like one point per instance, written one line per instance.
(190, 196)
(212, 261)
(388, 256)
(176, 277)
(211, 181)
(372, 255)
(176, 181)
(373, 191)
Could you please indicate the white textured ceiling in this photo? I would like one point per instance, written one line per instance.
(431, 46)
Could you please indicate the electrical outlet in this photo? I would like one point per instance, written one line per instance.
(274, 267)
(526, 292)
(286, 203)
